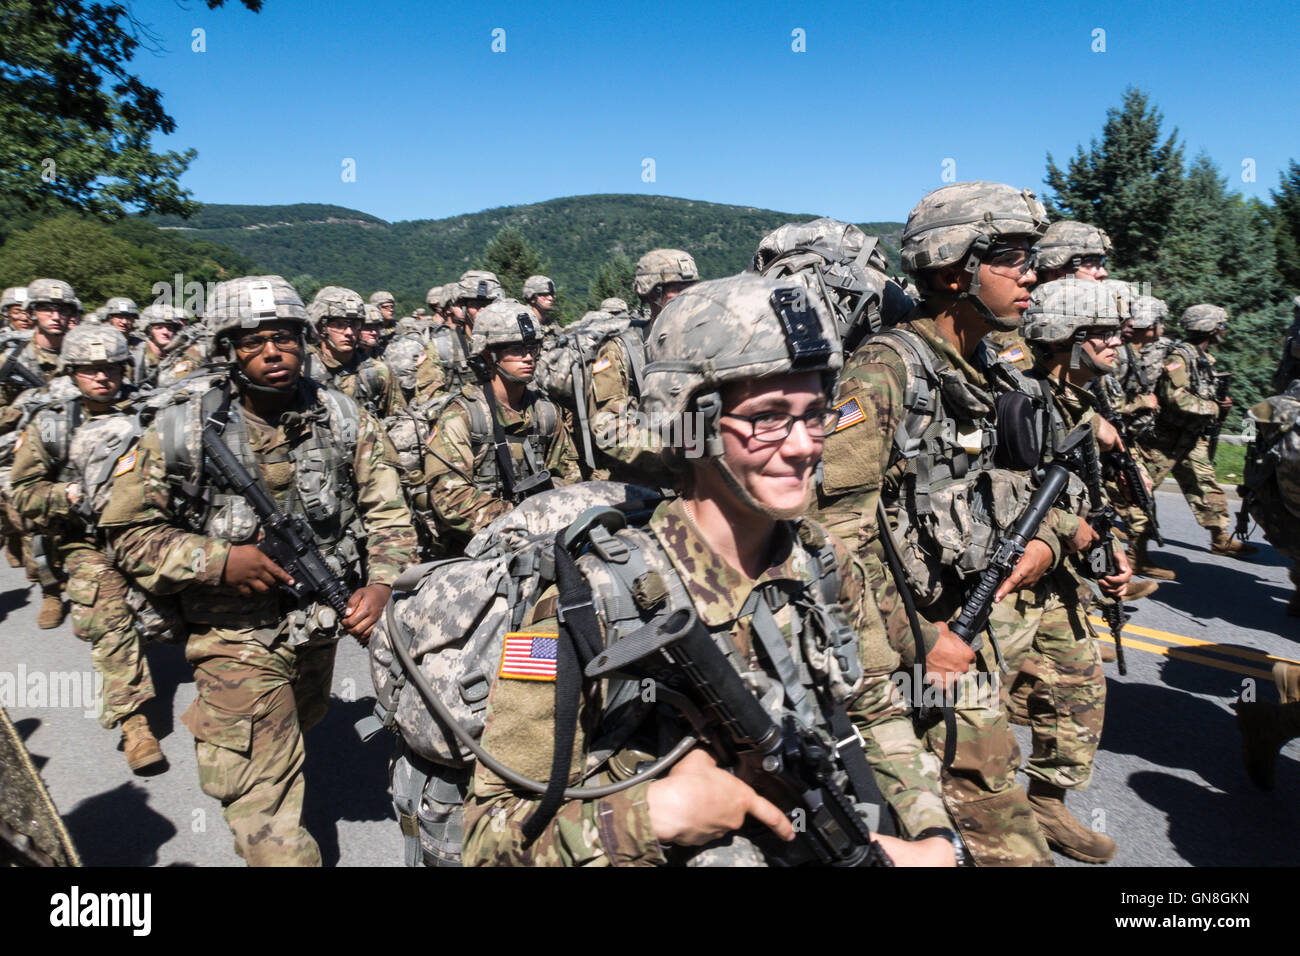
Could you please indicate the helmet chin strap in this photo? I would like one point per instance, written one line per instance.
(244, 382)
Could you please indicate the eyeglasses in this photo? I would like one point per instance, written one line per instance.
(283, 341)
(524, 348)
(1018, 260)
(1105, 334)
(1091, 262)
(776, 426)
(65, 310)
(95, 371)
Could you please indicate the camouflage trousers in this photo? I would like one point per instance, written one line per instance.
(1189, 463)
(1053, 648)
(980, 790)
(248, 719)
(97, 592)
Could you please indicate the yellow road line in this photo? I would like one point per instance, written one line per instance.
(1245, 653)
(1192, 657)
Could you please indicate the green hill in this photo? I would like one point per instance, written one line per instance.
(575, 236)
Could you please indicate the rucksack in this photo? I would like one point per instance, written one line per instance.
(1271, 480)
(563, 370)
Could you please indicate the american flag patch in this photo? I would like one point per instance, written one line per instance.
(1174, 366)
(601, 365)
(1014, 354)
(850, 414)
(529, 656)
(124, 464)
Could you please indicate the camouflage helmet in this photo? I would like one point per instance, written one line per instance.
(1147, 311)
(336, 302)
(1063, 311)
(420, 314)
(476, 284)
(538, 285)
(659, 266)
(845, 265)
(50, 290)
(373, 315)
(1204, 318)
(247, 302)
(14, 295)
(1124, 294)
(953, 222)
(434, 297)
(158, 314)
(613, 305)
(380, 298)
(1067, 240)
(404, 355)
(121, 305)
(93, 345)
(733, 330)
(503, 322)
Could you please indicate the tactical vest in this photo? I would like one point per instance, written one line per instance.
(634, 586)
(953, 502)
(369, 387)
(446, 343)
(86, 449)
(533, 445)
(1271, 480)
(323, 492)
(143, 375)
(1152, 359)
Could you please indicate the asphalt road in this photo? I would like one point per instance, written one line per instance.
(1168, 785)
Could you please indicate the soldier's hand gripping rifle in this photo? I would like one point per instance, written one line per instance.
(1221, 382)
(285, 540)
(790, 766)
(1099, 562)
(1123, 461)
(974, 616)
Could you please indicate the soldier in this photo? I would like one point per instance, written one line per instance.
(1075, 249)
(501, 416)
(539, 293)
(49, 490)
(161, 323)
(917, 422)
(1177, 445)
(371, 335)
(387, 307)
(725, 550)
(13, 305)
(121, 313)
(621, 445)
(448, 370)
(1073, 328)
(337, 314)
(262, 659)
(614, 306)
(1288, 369)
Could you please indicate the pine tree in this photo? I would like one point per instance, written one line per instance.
(1127, 184)
(613, 279)
(1285, 216)
(509, 255)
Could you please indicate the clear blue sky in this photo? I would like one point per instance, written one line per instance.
(856, 127)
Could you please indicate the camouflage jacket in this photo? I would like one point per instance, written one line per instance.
(459, 472)
(153, 544)
(861, 461)
(446, 368)
(44, 362)
(623, 443)
(144, 365)
(1186, 391)
(616, 830)
(39, 493)
(367, 381)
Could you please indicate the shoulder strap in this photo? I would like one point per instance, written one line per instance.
(921, 392)
(634, 346)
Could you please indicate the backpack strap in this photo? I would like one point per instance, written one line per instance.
(634, 346)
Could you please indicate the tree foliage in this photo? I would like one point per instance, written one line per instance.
(75, 122)
(509, 255)
(1128, 183)
(613, 279)
(1285, 217)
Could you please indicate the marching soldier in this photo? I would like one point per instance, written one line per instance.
(469, 480)
(161, 323)
(539, 293)
(448, 368)
(49, 490)
(262, 657)
(337, 314)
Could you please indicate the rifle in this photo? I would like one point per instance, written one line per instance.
(791, 766)
(1123, 461)
(286, 540)
(974, 616)
(1100, 562)
(1221, 382)
(15, 373)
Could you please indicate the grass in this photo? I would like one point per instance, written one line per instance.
(1229, 462)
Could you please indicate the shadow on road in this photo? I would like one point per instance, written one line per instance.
(347, 779)
(170, 670)
(119, 828)
(1242, 827)
(1229, 590)
(13, 599)
(26, 727)
(1172, 728)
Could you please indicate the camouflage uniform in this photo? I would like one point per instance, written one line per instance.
(980, 787)
(262, 671)
(1177, 445)
(367, 381)
(447, 369)
(97, 589)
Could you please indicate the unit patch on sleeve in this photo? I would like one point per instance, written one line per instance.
(529, 656)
